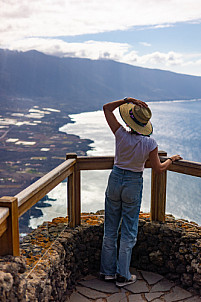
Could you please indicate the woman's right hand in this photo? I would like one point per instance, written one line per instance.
(176, 157)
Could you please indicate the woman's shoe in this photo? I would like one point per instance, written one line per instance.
(122, 281)
(107, 278)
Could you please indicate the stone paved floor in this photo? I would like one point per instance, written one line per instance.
(148, 287)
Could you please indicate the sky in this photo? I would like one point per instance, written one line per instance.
(159, 34)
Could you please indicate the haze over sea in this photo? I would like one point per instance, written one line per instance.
(177, 130)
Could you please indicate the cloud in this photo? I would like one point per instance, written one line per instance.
(176, 62)
(37, 24)
(165, 25)
(167, 59)
(121, 52)
(145, 44)
(36, 18)
(90, 49)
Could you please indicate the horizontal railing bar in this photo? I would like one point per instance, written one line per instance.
(45, 184)
(41, 193)
(184, 167)
(106, 162)
(186, 163)
(3, 227)
(95, 162)
(4, 213)
(101, 162)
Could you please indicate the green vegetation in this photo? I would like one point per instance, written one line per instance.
(39, 158)
(32, 171)
(67, 143)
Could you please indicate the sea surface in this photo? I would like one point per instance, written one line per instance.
(177, 130)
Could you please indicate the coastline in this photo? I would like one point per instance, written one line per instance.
(31, 145)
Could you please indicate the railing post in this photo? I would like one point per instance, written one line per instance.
(74, 204)
(158, 196)
(9, 241)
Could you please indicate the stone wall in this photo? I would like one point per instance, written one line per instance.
(46, 272)
(172, 249)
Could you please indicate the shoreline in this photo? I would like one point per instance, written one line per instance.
(30, 147)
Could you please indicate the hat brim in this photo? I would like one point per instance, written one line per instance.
(124, 112)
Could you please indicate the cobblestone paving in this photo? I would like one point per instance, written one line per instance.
(148, 287)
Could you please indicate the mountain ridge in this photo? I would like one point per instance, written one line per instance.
(89, 83)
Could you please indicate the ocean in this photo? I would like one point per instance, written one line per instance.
(177, 130)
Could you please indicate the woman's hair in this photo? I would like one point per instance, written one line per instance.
(135, 132)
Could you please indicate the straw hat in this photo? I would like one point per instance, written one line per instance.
(137, 118)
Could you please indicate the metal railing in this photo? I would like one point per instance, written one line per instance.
(11, 208)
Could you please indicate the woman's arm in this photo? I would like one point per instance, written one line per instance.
(110, 107)
(157, 165)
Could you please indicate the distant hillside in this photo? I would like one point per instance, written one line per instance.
(89, 83)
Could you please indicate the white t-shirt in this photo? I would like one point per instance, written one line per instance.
(132, 150)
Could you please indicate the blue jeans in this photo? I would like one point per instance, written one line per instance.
(122, 206)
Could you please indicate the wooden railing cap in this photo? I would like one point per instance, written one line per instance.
(4, 212)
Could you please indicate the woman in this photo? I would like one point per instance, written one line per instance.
(124, 191)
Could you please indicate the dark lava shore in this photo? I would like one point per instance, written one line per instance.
(31, 145)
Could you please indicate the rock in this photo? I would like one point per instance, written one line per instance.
(6, 282)
(157, 258)
(187, 279)
(177, 294)
(181, 268)
(171, 265)
(197, 279)
(196, 266)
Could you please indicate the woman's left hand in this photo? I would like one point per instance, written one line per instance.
(137, 102)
